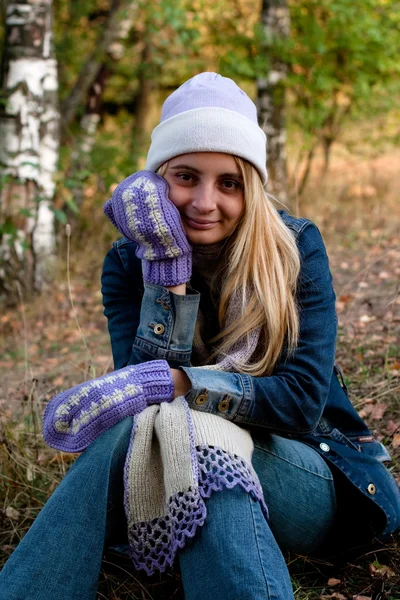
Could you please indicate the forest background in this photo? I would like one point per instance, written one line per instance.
(82, 85)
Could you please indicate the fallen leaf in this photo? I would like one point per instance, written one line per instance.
(332, 582)
(30, 473)
(12, 513)
(366, 411)
(358, 597)
(377, 570)
(396, 440)
(392, 427)
(378, 411)
(366, 319)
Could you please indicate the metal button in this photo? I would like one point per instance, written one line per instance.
(159, 329)
(371, 489)
(201, 399)
(324, 447)
(223, 405)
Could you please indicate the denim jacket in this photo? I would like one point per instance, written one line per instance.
(305, 398)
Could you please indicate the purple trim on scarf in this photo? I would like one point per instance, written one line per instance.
(126, 469)
(154, 544)
(193, 453)
(220, 469)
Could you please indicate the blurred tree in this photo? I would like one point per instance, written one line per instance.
(341, 54)
(116, 31)
(29, 144)
(271, 101)
(117, 16)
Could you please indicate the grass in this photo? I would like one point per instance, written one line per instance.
(42, 352)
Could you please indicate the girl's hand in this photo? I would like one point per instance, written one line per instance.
(141, 210)
(181, 382)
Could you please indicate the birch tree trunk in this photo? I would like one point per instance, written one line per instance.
(29, 145)
(275, 19)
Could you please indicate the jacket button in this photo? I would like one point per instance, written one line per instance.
(223, 405)
(159, 329)
(371, 489)
(324, 447)
(201, 399)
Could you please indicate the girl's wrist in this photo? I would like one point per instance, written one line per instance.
(182, 383)
(178, 289)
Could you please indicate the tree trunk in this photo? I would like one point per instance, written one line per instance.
(307, 169)
(81, 155)
(29, 145)
(85, 140)
(275, 19)
(142, 113)
(117, 26)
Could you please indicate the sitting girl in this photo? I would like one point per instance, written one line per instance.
(225, 436)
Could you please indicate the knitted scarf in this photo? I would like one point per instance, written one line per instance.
(176, 459)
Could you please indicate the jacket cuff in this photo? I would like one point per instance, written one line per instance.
(167, 322)
(219, 392)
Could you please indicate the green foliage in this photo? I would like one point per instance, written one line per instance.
(342, 57)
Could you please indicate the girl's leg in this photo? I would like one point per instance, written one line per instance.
(236, 553)
(60, 556)
(299, 491)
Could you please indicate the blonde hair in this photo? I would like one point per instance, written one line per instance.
(261, 271)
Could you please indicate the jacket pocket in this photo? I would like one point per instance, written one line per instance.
(363, 443)
(374, 449)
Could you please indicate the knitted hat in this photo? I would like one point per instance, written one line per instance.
(209, 113)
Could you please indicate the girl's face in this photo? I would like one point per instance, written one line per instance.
(207, 189)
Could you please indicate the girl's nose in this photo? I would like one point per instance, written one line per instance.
(204, 198)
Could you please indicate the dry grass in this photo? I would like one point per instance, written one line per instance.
(42, 351)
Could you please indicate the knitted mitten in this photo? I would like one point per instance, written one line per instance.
(141, 210)
(76, 417)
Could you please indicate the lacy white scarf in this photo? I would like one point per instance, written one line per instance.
(178, 456)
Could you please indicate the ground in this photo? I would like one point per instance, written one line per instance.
(61, 339)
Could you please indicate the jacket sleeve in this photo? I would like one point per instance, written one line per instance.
(145, 321)
(292, 399)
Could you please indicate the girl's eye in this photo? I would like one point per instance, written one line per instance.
(185, 176)
(231, 184)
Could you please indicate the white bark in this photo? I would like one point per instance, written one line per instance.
(29, 140)
(271, 98)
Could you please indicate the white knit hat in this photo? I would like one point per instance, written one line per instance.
(209, 113)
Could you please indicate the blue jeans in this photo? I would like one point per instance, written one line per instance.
(235, 555)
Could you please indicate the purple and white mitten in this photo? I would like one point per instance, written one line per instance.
(141, 210)
(75, 418)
